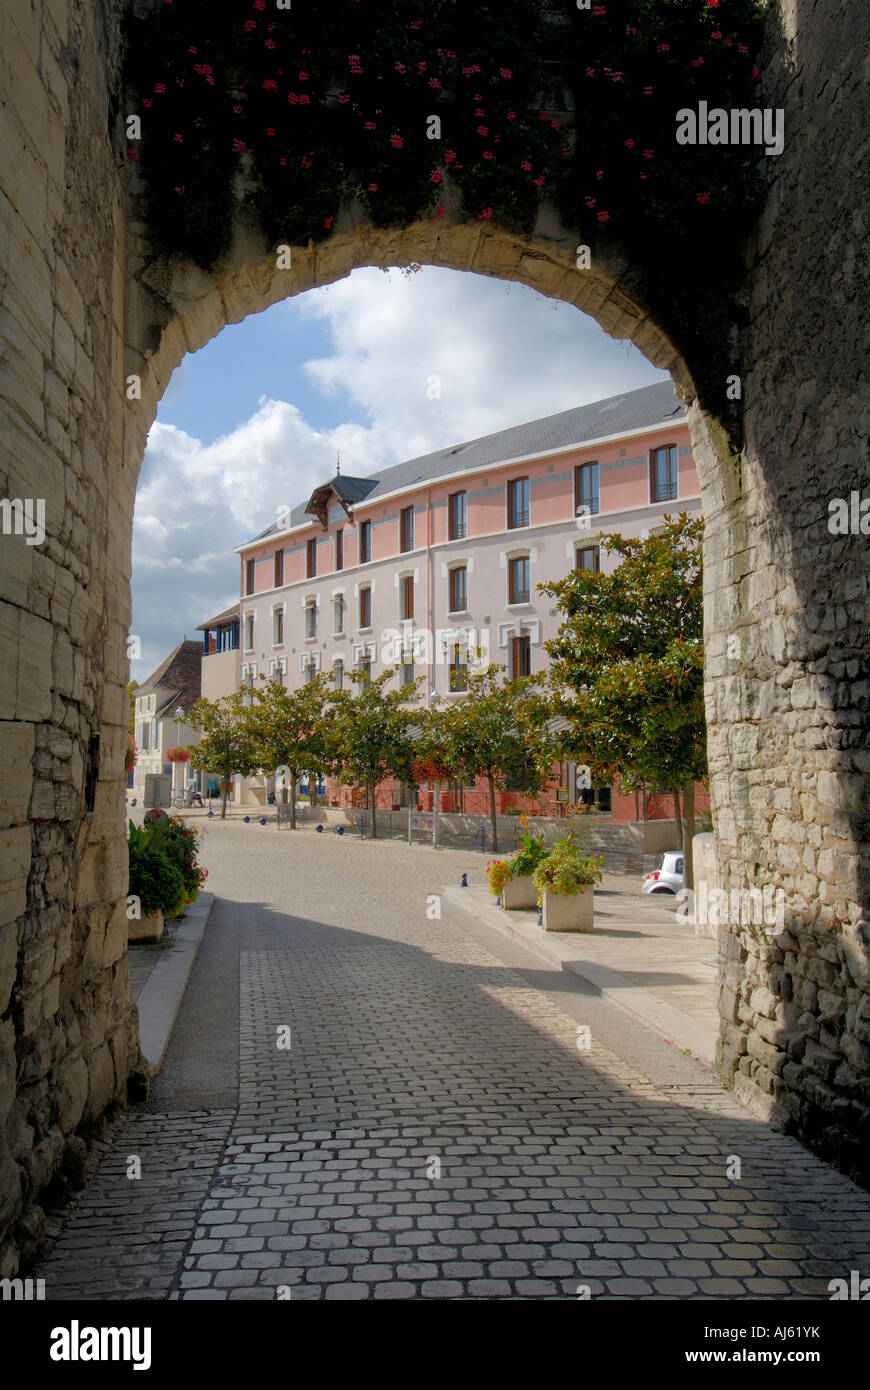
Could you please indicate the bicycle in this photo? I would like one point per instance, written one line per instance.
(185, 800)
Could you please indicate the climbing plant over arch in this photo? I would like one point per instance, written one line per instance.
(409, 107)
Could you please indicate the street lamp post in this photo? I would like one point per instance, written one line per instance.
(179, 715)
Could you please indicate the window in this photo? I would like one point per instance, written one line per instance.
(458, 588)
(276, 671)
(145, 736)
(277, 627)
(279, 568)
(365, 542)
(249, 632)
(337, 616)
(249, 576)
(228, 638)
(458, 667)
(521, 657)
(457, 514)
(338, 674)
(365, 663)
(518, 580)
(407, 674)
(663, 474)
(310, 619)
(586, 489)
(311, 558)
(588, 558)
(518, 503)
(406, 528)
(310, 671)
(365, 607)
(339, 550)
(406, 597)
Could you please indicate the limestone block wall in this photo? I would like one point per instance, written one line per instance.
(68, 1039)
(788, 610)
(85, 304)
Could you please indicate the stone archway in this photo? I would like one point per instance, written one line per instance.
(786, 602)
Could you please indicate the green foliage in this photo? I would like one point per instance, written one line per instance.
(177, 841)
(226, 744)
(155, 879)
(499, 730)
(322, 104)
(524, 860)
(291, 729)
(371, 732)
(566, 870)
(627, 663)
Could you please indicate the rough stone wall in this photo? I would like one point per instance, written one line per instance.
(84, 307)
(68, 1037)
(788, 610)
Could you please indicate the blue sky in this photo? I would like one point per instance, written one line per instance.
(254, 419)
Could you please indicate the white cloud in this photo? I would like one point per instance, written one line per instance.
(503, 355)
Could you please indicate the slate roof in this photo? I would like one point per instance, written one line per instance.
(180, 674)
(649, 405)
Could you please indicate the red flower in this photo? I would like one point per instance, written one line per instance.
(369, 125)
(696, 62)
(250, 24)
(328, 221)
(603, 216)
(303, 77)
(179, 138)
(483, 130)
(506, 74)
(373, 188)
(439, 211)
(648, 154)
(703, 197)
(436, 176)
(239, 146)
(487, 154)
(629, 144)
(270, 85)
(191, 50)
(270, 130)
(160, 87)
(131, 154)
(487, 213)
(539, 182)
(526, 164)
(449, 156)
(396, 141)
(663, 48)
(147, 101)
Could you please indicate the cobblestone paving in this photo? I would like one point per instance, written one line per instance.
(433, 1131)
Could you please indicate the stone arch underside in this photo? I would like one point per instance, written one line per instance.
(786, 605)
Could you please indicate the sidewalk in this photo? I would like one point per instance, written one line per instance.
(159, 975)
(639, 956)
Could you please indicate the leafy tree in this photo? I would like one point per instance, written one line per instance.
(628, 666)
(499, 730)
(226, 746)
(433, 752)
(289, 730)
(370, 733)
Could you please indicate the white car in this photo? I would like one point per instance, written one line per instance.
(668, 877)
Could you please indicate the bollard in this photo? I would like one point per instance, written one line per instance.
(339, 830)
(246, 819)
(133, 802)
(262, 820)
(464, 881)
(319, 829)
(211, 815)
(540, 914)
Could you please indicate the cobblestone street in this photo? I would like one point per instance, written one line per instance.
(433, 1130)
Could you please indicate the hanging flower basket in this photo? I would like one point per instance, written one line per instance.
(177, 755)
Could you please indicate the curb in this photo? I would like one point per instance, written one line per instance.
(674, 1025)
(161, 996)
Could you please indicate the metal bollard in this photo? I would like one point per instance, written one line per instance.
(464, 881)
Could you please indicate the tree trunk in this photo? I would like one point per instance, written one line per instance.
(374, 831)
(688, 835)
(225, 791)
(312, 790)
(679, 820)
(492, 819)
(292, 800)
(436, 824)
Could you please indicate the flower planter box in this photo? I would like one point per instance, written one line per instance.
(146, 928)
(519, 892)
(569, 913)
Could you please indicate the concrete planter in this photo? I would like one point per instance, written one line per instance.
(146, 928)
(519, 892)
(569, 913)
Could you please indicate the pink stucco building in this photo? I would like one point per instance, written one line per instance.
(434, 563)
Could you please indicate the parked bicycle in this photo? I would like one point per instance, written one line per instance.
(187, 799)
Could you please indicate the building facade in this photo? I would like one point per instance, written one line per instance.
(434, 564)
(160, 704)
